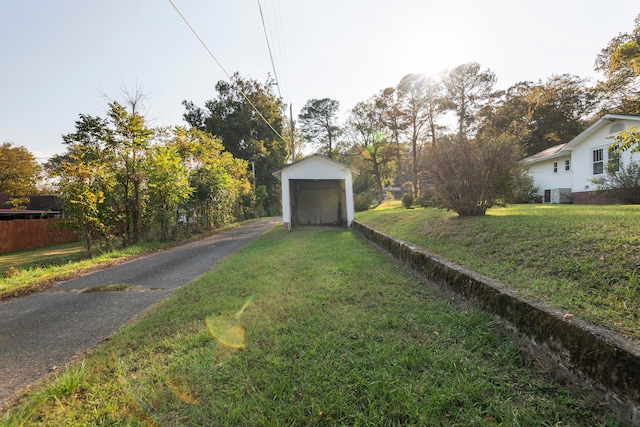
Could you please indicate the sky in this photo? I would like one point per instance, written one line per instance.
(63, 58)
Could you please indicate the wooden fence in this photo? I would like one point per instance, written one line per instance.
(19, 234)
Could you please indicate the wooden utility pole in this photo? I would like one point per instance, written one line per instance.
(293, 143)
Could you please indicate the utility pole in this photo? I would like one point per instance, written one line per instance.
(293, 144)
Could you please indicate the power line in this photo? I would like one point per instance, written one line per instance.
(273, 65)
(274, 22)
(281, 37)
(195, 33)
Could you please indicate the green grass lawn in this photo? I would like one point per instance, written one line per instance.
(41, 257)
(32, 270)
(313, 327)
(24, 272)
(581, 259)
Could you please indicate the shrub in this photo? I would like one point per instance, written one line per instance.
(526, 191)
(362, 201)
(623, 183)
(427, 198)
(407, 194)
(407, 200)
(470, 176)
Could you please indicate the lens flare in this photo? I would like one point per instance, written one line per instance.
(227, 334)
(182, 395)
(225, 329)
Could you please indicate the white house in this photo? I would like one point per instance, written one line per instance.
(563, 173)
(316, 190)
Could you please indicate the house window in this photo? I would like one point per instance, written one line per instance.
(555, 167)
(614, 160)
(598, 165)
(567, 165)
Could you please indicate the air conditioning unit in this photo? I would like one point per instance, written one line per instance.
(561, 195)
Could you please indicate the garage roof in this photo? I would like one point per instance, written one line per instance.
(315, 166)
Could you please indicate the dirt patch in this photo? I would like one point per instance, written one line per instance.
(114, 287)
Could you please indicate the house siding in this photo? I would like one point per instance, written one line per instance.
(546, 179)
(582, 157)
(579, 151)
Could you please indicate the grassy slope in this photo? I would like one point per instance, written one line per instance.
(32, 270)
(581, 259)
(35, 269)
(30, 258)
(322, 329)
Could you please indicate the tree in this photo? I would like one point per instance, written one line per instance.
(421, 104)
(217, 178)
(129, 142)
(472, 176)
(319, 125)
(168, 185)
(620, 63)
(86, 180)
(371, 139)
(553, 112)
(627, 139)
(391, 122)
(19, 170)
(466, 90)
(247, 134)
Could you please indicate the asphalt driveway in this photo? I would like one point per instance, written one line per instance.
(43, 331)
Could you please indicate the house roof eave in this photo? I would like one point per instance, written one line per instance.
(597, 125)
(548, 154)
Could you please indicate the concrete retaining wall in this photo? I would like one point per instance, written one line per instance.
(606, 361)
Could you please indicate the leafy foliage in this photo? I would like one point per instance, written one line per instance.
(421, 104)
(627, 139)
(319, 125)
(551, 112)
(120, 178)
(19, 171)
(620, 63)
(247, 135)
(362, 201)
(168, 186)
(471, 176)
(467, 87)
(623, 181)
(86, 179)
(372, 140)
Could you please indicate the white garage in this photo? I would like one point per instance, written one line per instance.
(316, 191)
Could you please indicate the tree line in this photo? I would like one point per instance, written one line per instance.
(400, 137)
(125, 180)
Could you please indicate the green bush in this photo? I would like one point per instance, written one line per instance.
(526, 190)
(623, 183)
(362, 201)
(407, 194)
(407, 200)
(427, 198)
(470, 176)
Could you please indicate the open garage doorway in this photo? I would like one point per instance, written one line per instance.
(317, 202)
